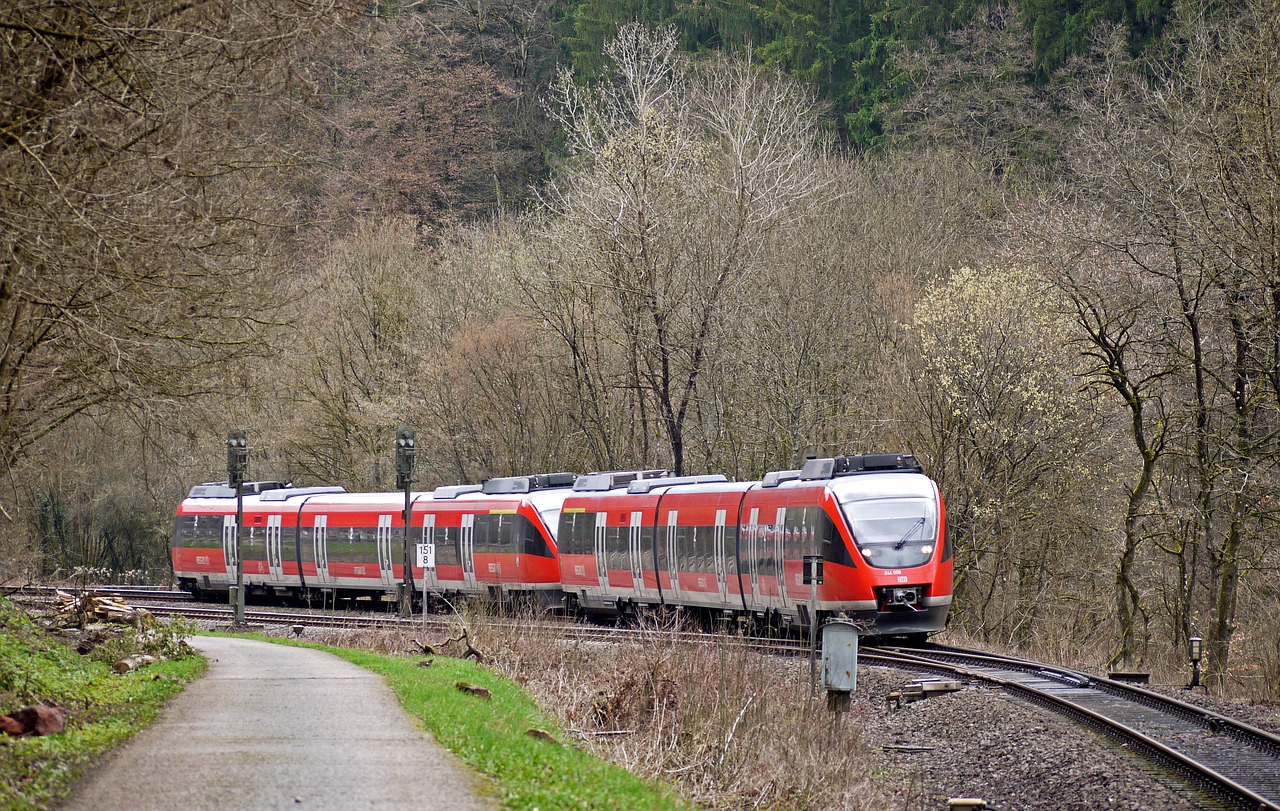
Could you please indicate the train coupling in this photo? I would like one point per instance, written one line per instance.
(908, 597)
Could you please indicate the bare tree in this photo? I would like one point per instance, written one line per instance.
(679, 177)
(136, 198)
(355, 354)
(1171, 163)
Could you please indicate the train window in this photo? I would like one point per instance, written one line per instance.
(730, 555)
(685, 548)
(306, 543)
(446, 540)
(529, 537)
(338, 545)
(646, 549)
(575, 530)
(894, 533)
(186, 531)
(762, 546)
(482, 534)
(565, 536)
(615, 548)
(706, 549)
(834, 547)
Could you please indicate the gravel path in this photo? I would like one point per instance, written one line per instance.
(275, 727)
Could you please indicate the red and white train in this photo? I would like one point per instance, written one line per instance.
(602, 543)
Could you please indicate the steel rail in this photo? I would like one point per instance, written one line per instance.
(1204, 776)
(1208, 719)
(372, 620)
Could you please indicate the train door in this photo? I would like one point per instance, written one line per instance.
(384, 551)
(636, 545)
(275, 551)
(467, 549)
(320, 540)
(779, 532)
(722, 581)
(428, 554)
(602, 551)
(753, 552)
(673, 566)
(229, 546)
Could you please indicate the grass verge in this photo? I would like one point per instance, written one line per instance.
(492, 735)
(103, 708)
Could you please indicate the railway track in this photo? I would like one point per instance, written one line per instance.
(562, 628)
(1229, 760)
(149, 593)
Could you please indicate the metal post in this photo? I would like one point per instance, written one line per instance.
(405, 451)
(406, 590)
(813, 578)
(813, 641)
(239, 607)
(1196, 645)
(237, 470)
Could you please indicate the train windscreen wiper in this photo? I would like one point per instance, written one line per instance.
(915, 527)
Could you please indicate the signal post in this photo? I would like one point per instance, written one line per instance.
(237, 470)
(405, 452)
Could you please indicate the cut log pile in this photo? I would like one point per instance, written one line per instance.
(86, 607)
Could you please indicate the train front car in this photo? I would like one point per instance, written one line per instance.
(496, 539)
(880, 526)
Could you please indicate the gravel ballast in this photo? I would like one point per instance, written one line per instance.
(978, 743)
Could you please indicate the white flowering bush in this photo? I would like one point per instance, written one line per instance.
(1015, 440)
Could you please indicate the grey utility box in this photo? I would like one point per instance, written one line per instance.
(839, 656)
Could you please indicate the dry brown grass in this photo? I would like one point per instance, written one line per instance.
(736, 729)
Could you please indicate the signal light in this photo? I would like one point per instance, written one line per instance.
(237, 457)
(405, 451)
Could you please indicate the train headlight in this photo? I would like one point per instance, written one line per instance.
(926, 549)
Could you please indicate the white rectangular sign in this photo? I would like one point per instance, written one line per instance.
(426, 556)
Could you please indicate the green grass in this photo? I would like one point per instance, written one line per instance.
(490, 735)
(103, 708)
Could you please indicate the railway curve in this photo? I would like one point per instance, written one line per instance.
(1237, 763)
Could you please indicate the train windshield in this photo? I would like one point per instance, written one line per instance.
(893, 533)
(551, 517)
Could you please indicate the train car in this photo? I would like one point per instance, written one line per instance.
(497, 538)
(609, 558)
(879, 526)
(293, 541)
(322, 542)
(738, 549)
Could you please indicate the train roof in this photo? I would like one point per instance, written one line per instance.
(852, 465)
(610, 480)
(508, 485)
(861, 488)
(674, 484)
(225, 490)
(858, 477)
